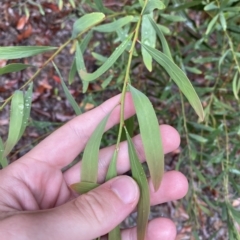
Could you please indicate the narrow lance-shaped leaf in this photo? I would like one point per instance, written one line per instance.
(143, 207)
(153, 4)
(111, 60)
(83, 187)
(148, 37)
(14, 67)
(86, 22)
(16, 118)
(72, 72)
(89, 169)
(150, 134)
(115, 234)
(3, 160)
(164, 43)
(112, 168)
(23, 51)
(67, 93)
(81, 66)
(83, 47)
(27, 109)
(179, 77)
(236, 85)
(211, 24)
(113, 26)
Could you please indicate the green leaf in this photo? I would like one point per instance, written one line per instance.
(129, 124)
(107, 81)
(173, 18)
(99, 5)
(99, 57)
(112, 168)
(115, 234)
(236, 85)
(67, 93)
(27, 109)
(16, 118)
(89, 169)
(14, 67)
(211, 24)
(198, 138)
(72, 72)
(180, 78)
(83, 187)
(143, 207)
(3, 160)
(153, 4)
(110, 61)
(114, 26)
(223, 21)
(164, 43)
(150, 134)
(148, 37)
(81, 66)
(23, 51)
(86, 22)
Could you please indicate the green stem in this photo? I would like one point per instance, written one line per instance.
(126, 79)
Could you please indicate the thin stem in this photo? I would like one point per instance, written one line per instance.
(126, 79)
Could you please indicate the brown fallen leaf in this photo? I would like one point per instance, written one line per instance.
(22, 22)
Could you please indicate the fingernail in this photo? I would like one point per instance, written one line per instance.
(126, 189)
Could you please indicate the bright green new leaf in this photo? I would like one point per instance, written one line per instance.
(83, 187)
(113, 26)
(148, 37)
(153, 4)
(143, 207)
(163, 40)
(67, 93)
(110, 61)
(89, 169)
(23, 51)
(180, 78)
(150, 134)
(16, 118)
(3, 160)
(86, 22)
(14, 67)
(27, 109)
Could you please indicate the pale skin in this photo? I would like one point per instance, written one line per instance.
(37, 203)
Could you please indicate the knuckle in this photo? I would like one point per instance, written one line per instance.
(91, 206)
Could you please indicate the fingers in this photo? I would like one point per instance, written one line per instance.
(86, 217)
(61, 147)
(158, 229)
(174, 186)
(170, 140)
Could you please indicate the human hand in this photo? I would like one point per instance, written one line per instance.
(36, 202)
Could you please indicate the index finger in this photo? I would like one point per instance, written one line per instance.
(63, 146)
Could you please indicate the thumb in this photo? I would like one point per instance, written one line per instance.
(90, 215)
